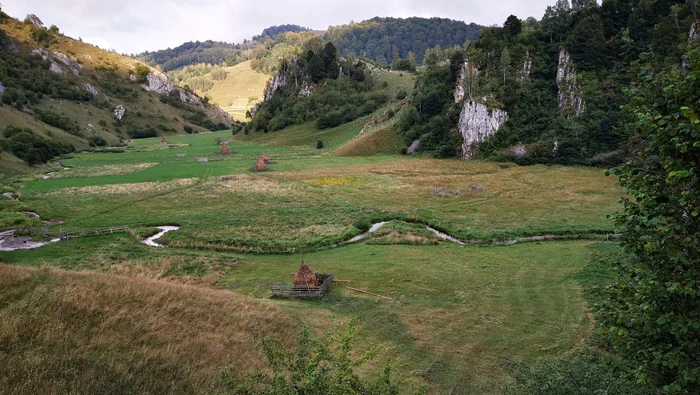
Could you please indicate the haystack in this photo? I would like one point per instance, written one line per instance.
(163, 141)
(267, 159)
(260, 165)
(224, 149)
(305, 277)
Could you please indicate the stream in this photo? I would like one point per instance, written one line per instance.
(151, 241)
(10, 242)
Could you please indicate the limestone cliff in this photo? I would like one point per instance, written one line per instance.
(524, 73)
(571, 103)
(476, 124)
(459, 89)
(278, 82)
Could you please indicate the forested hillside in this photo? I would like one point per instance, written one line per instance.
(385, 39)
(551, 90)
(321, 86)
(59, 94)
(189, 53)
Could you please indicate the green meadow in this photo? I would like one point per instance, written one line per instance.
(456, 312)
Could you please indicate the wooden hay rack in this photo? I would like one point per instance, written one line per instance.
(306, 292)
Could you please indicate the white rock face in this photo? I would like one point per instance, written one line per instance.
(459, 89)
(306, 90)
(2, 89)
(72, 64)
(476, 124)
(278, 82)
(187, 97)
(92, 90)
(413, 148)
(694, 31)
(158, 82)
(119, 112)
(571, 104)
(56, 69)
(524, 73)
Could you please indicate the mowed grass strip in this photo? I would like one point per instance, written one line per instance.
(66, 332)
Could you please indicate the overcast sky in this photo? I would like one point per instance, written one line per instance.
(133, 26)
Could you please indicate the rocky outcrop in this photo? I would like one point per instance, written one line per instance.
(459, 89)
(188, 97)
(56, 69)
(694, 31)
(72, 64)
(93, 91)
(306, 90)
(158, 82)
(476, 124)
(119, 112)
(278, 82)
(571, 103)
(414, 147)
(2, 89)
(524, 73)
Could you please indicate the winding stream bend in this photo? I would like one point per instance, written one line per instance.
(151, 241)
(9, 242)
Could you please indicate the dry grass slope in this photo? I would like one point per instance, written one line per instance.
(242, 89)
(382, 141)
(88, 333)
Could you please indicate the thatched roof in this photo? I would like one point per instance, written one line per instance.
(305, 277)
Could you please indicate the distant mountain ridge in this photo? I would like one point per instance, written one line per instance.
(378, 39)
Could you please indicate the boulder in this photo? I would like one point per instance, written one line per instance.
(119, 112)
(92, 90)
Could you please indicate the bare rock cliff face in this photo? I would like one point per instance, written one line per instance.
(694, 31)
(2, 89)
(459, 90)
(476, 124)
(571, 103)
(524, 73)
(278, 81)
(158, 82)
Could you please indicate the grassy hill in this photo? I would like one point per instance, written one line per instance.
(65, 90)
(67, 332)
(242, 89)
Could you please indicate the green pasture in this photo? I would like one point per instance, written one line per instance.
(456, 312)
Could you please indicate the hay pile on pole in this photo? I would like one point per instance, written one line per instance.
(261, 165)
(305, 278)
(224, 149)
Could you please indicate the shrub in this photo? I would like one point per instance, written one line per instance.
(317, 366)
(319, 144)
(362, 225)
(188, 129)
(32, 148)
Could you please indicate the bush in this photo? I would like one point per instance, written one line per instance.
(97, 141)
(319, 144)
(142, 134)
(317, 366)
(362, 225)
(572, 375)
(188, 129)
(32, 148)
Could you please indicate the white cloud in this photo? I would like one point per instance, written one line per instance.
(132, 26)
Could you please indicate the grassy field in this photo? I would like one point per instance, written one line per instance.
(242, 89)
(312, 197)
(458, 310)
(67, 332)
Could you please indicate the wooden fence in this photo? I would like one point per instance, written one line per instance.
(291, 291)
(95, 232)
